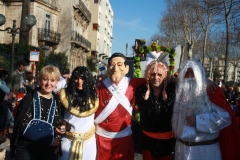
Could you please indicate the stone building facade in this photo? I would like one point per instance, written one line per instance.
(74, 24)
(62, 26)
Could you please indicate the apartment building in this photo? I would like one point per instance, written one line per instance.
(75, 18)
(45, 33)
(101, 30)
(62, 26)
(218, 63)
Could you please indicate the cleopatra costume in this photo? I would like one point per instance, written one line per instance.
(80, 142)
(155, 121)
(113, 119)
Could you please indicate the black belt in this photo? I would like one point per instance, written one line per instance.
(187, 143)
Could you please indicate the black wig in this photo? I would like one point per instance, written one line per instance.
(80, 98)
(116, 55)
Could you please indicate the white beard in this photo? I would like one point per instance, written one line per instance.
(189, 101)
(189, 86)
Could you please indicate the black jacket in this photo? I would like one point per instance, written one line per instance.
(156, 116)
(22, 110)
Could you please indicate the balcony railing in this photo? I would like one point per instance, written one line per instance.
(80, 39)
(84, 10)
(48, 35)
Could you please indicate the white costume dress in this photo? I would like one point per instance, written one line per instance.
(81, 125)
(80, 142)
(207, 128)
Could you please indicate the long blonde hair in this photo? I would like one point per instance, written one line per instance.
(157, 67)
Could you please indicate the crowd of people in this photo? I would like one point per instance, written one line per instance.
(75, 116)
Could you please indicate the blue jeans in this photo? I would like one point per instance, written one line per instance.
(35, 152)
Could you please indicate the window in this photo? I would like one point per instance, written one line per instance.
(95, 1)
(47, 21)
(47, 25)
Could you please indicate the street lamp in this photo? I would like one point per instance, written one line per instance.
(30, 21)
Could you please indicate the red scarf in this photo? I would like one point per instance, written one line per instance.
(229, 137)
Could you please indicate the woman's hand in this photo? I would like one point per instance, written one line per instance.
(60, 130)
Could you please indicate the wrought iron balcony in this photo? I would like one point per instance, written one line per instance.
(48, 35)
(80, 40)
(84, 10)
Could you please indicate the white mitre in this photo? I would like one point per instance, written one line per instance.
(152, 56)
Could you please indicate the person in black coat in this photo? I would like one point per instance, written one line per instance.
(155, 102)
(31, 141)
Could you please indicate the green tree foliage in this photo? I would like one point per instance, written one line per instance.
(59, 60)
(4, 63)
(22, 53)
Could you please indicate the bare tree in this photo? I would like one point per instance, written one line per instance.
(234, 60)
(169, 27)
(230, 12)
(186, 19)
(205, 13)
(214, 52)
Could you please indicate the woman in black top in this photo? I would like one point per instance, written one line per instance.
(36, 130)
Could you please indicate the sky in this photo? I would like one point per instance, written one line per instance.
(134, 19)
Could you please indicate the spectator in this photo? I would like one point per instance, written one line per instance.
(231, 97)
(17, 98)
(4, 92)
(67, 75)
(61, 84)
(31, 84)
(17, 81)
(39, 122)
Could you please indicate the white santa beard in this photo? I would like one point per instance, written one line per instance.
(189, 101)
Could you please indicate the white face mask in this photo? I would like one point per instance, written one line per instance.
(117, 69)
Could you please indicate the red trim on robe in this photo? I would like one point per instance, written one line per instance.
(229, 137)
